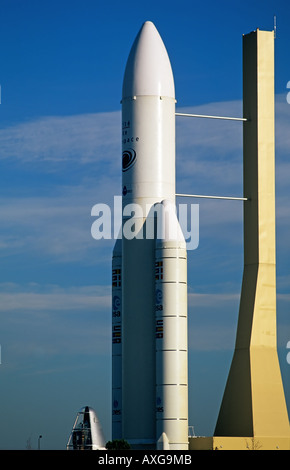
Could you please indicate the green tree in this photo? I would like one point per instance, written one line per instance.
(118, 444)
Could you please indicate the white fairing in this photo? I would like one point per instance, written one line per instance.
(148, 122)
(148, 70)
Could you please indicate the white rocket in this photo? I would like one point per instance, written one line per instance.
(149, 286)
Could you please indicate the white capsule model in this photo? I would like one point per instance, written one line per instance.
(87, 433)
(153, 376)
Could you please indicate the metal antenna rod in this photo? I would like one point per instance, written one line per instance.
(211, 117)
(214, 197)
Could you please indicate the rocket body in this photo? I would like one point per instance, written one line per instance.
(148, 405)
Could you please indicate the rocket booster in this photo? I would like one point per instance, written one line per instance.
(150, 404)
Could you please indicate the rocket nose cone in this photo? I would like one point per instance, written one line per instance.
(148, 70)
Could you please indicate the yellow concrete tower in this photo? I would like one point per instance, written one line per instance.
(253, 405)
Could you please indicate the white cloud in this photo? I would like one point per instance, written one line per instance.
(58, 225)
(209, 300)
(82, 138)
(36, 298)
(38, 321)
(91, 138)
(209, 161)
(220, 138)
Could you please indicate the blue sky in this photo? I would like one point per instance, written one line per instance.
(62, 65)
